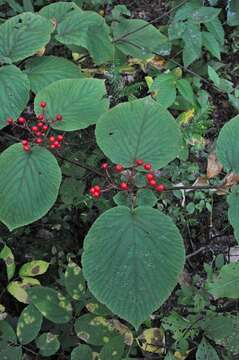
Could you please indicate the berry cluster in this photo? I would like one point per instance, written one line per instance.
(39, 131)
(129, 178)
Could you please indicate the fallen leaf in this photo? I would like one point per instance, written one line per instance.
(213, 166)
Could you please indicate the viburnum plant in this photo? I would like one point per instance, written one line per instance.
(133, 253)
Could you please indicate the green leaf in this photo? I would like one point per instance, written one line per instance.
(42, 71)
(192, 38)
(164, 87)
(114, 349)
(89, 30)
(140, 129)
(29, 324)
(185, 89)
(211, 44)
(141, 43)
(185, 11)
(7, 256)
(22, 36)
(85, 102)
(51, 303)
(233, 13)
(74, 281)
(213, 76)
(224, 330)
(175, 30)
(48, 344)
(123, 198)
(94, 330)
(29, 184)
(7, 334)
(82, 352)
(14, 92)
(233, 210)
(146, 197)
(226, 285)
(205, 351)
(228, 146)
(215, 27)
(11, 353)
(34, 268)
(204, 14)
(234, 101)
(131, 261)
(59, 11)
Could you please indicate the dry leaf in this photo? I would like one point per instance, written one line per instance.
(213, 166)
(229, 180)
(41, 52)
(201, 181)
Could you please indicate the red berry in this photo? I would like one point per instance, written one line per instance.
(34, 128)
(40, 117)
(21, 120)
(97, 188)
(56, 143)
(24, 142)
(92, 191)
(104, 166)
(152, 182)
(10, 121)
(139, 162)
(38, 133)
(150, 176)
(42, 104)
(45, 127)
(52, 146)
(119, 168)
(123, 186)
(40, 124)
(160, 187)
(147, 166)
(59, 137)
(52, 138)
(58, 117)
(39, 141)
(97, 194)
(26, 148)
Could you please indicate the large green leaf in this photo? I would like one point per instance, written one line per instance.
(139, 39)
(29, 184)
(227, 282)
(48, 344)
(192, 38)
(139, 130)
(59, 11)
(164, 87)
(132, 259)
(29, 324)
(83, 105)
(228, 145)
(14, 92)
(51, 303)
(44, 70)
(233, 210)
(224, 330)
(89, 30)
(23, 35)
(205, 351)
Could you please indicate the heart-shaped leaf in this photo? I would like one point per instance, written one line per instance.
(83, 105)
(139, 130)
(132, 259)
(29, 184)
(22, 36)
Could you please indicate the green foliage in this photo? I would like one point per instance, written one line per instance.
(29, 324)
(226, 284)
(124, 278)
(29, 184)
(84, 104)
(205, 351)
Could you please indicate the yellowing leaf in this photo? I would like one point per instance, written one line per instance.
(152, 340)
(34, 268)
(186, 116)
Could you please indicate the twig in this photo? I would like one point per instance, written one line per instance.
(196, 252)
(149, 23)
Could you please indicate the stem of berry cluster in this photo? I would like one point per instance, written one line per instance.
(191, 187)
